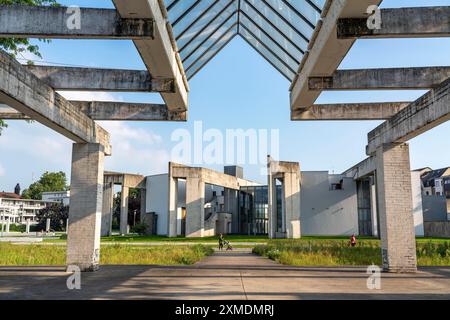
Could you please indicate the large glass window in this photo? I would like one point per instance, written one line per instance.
(279, 30)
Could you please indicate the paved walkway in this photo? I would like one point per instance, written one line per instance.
(224, 276)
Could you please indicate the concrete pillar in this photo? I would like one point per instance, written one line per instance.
(143, 211)
(272, 206)
(291, 194)
(86, 191)
(107, 209)
(173, 207)
(47, 225)
(395, 208)
(8, 224)
(124, 227)
(27, 228)
(373, 206)
(195, 207)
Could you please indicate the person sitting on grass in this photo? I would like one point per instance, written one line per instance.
(353, 240)
(221, 241)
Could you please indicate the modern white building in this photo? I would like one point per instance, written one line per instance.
(15, 210)
(57, 196)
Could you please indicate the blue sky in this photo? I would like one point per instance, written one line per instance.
(237, 89)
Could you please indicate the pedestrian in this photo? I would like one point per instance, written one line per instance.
(353, 240)
(221, 241)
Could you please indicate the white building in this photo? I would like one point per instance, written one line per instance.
(57, 196)
(17, 210)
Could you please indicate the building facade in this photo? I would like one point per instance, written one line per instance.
(62, 197)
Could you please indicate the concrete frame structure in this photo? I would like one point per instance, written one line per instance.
(196, 178)
(288, 173)
(126, 181)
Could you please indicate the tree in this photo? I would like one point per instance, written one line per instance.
(16, 46)
(49, 181)
(58, 215)
(134, 205)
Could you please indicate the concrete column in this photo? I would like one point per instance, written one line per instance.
(373, 207)
(272, 206)
(47, 225)
(8, 224)
(173, 207)
(291, 194)
(27, 228)
(195, 207)
(124, 227)
(143, 211)
(107, 209)
(395, 208)
(86, 191)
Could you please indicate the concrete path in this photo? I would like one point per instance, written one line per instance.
(222, 276)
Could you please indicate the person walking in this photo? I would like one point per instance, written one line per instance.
(221, 241)
(353, 240)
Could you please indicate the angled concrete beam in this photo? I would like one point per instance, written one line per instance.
(426, 22)
(22, 90)
(363, 169)
(382, 79)
(8, 113)
(21, 21)
(123, 111)
(160, 54)
(420, 116)
(326, 51)
(350, 111)
(94, 79)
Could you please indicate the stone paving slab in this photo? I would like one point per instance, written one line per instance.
(235, 275)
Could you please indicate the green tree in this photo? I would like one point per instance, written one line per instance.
(16, 46)
(49, 181)
(58, 215)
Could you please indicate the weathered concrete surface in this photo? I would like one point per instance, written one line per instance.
(326, 51)
(439, 229)
(85, 213)
(23, 91)
(363, 169)
(173, 201)
(195, 207)
(107, 209)
(350, 111)
(99, 79)
(289, 175)
(382, 79)
(8, 113)
(21, 21)
(395, 211)
(124, 111)
(425, 22)
(425, 113)
(160, 54)
(223, 276)
(124, 196)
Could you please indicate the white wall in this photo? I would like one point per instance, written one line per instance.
(325, 211)
(417, 203)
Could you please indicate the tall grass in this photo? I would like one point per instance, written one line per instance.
(339, 253)
(26, 255)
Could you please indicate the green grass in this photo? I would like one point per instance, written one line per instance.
(136, 238)
(25, 255)
(337, 252)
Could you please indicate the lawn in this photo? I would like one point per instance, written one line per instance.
(337, 252)
(32, 254)
(137, 238)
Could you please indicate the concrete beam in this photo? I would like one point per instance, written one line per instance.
(8, 113)
(123, 111)
(21, 21)
(326, 51)
(382, 79)
(350, 111)
(426, 22)
(363, 169)
(420, 116)
(23, 91)
(95, 79)
(160, 54)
